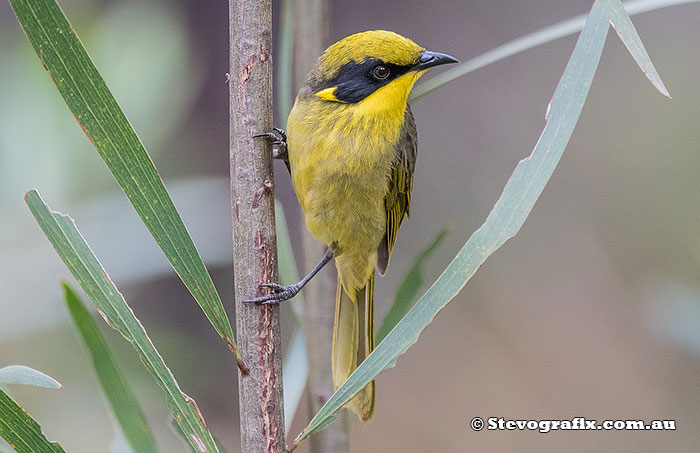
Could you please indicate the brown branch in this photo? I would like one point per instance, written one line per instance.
(254, 239)
(311, 37)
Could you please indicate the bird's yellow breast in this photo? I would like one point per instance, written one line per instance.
(341, 157)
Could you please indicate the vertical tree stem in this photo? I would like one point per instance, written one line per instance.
(254, 239)
(311, 37)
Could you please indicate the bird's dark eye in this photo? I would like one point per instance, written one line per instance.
(381, 72)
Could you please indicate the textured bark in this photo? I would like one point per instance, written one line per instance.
(311, 37)
(254, 239)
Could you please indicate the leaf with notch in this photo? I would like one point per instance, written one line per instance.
(21, 431)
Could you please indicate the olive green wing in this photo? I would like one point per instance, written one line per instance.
(398, 199)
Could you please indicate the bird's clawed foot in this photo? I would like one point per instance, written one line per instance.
(279, 293)
(279, 142)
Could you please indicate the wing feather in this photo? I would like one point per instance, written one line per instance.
(398, 199)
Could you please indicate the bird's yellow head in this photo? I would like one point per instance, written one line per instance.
(375, 69)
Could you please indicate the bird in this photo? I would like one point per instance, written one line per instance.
(350, 147)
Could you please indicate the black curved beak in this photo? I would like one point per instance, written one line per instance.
(430, 59)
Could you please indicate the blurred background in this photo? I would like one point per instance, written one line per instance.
(592, 310)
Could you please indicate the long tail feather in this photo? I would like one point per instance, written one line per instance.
(353, 340)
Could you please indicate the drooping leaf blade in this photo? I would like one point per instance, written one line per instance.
(21, 431)
(99, 115)
(622, 24)
(116, 389)
(20, 374)
(408, 290)
(506, 218)
(87, 270)
(523, 43)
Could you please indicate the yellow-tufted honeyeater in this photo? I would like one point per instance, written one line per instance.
(351, 149)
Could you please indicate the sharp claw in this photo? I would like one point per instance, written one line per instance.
(281, 131)
(269, 299)
(274, 286)
(282, 135)
(251, 301)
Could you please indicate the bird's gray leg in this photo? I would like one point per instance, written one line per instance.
(281, 292)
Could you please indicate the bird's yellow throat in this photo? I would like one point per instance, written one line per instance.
(382, 112)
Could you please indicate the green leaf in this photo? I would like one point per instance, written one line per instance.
(104, 123)
(622, 24)
(115, 387)
(20, 374)
(503, 222)
(180, 435)
(87, 270)
(21, 431)
(523, 43)
(408, 290)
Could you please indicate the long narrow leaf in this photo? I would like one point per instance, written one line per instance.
(408, 290)
(622, 24)
(21, 431)
(87, 270)
(180, 435)
(505, 220)
(86, 94)
(115, 387)
(523, 43)
(20, 374)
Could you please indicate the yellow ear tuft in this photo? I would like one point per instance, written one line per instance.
(328, 94)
